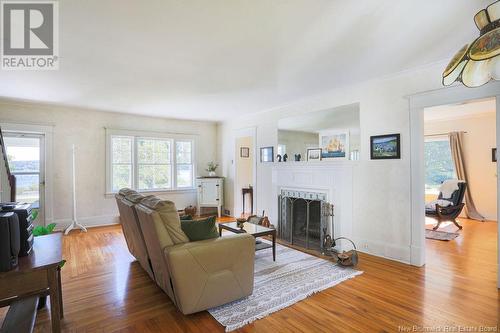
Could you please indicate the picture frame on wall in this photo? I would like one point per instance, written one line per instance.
(314, 154)
(385, 147)
(244, 152)
(266, 154)
(493, 154)
(334, 145)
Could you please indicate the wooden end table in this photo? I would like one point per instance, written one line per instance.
(38, 274)
(254, 230)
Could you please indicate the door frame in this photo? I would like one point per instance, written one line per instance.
(241, 133)
(417, 104)
(46, 148)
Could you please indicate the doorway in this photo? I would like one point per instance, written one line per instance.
(26, 157)
(460, 178)
(245, 172)
(417, 104)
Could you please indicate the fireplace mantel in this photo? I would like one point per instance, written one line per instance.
(335, 179)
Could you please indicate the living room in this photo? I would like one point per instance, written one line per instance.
(194, 107)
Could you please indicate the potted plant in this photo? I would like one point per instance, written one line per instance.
(211, 169)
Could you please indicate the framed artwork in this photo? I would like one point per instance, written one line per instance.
(384, 147)
(314, 154)
(244, 152)
(267, 154)
(493, 154)
(334, 145)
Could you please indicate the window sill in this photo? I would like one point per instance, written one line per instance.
(151, 192)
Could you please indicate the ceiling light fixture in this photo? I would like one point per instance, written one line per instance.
(478, 62)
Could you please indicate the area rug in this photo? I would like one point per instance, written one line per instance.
(440, 235)
(294, 276)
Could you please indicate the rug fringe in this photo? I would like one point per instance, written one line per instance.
(230, 328)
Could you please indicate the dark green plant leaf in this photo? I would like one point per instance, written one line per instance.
(61, 264)
(38, 231)
(51, 227)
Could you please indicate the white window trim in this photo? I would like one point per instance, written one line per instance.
(174, 137)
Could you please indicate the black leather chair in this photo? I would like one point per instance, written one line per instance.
(451, 212)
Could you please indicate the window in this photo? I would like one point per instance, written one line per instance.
(438, 163)
(149, 163)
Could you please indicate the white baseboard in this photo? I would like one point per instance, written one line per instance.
(89, 221)
(380, 249)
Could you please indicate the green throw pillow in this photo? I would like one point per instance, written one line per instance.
(186, 217)
(197, 230)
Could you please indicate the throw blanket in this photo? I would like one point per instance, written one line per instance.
(443, 203)
(448, 187)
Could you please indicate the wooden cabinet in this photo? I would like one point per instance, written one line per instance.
(210, 193)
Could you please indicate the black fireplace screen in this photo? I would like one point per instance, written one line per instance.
(303, 221)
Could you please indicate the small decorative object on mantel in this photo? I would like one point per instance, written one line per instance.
(278, 157)
(345, 258)
(297, 157)
(244, 152)
(285, 157)
(384, 147)
(478, 62)
(267, 154)
(314, 155)
(190, 210)
(211, 169)
(493, 154)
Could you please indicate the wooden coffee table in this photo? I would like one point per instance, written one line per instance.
(254, 230)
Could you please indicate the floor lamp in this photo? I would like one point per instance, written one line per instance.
(74, 223)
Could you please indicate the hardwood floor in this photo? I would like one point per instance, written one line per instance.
(105, 290)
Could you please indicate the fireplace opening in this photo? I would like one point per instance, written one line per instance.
(303, 218)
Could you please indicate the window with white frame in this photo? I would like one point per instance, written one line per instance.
(149, 163)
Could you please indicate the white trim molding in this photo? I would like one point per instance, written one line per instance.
(417, 104)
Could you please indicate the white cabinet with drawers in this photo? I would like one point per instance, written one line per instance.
(210, 193)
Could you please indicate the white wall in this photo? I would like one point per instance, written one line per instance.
(478, 142)
(244, 172)
(86, 129)
(381, 208)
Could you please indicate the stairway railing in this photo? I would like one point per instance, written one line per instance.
(11, 178)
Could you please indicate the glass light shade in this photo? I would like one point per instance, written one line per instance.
(455, 74)
(495, 68)
(481, 19)
(476, 73)
(494, 11)
(487, 46)
(478, 63)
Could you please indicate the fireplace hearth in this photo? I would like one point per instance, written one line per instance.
(304, 218)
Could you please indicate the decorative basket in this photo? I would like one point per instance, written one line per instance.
(346, 258)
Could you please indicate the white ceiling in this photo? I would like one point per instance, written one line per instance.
(211, 59)
(468, 109)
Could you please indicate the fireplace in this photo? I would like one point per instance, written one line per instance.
(304, 219)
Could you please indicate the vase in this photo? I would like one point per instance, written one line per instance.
(211, 173)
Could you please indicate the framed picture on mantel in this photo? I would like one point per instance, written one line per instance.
(334, 144)
(267, 154)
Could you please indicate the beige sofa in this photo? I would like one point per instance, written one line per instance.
(195, 275)
(126, 200)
